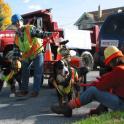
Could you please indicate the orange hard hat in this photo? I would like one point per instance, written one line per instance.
(110, 53)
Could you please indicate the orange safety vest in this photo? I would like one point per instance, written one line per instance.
(74, 75)
(29, 47)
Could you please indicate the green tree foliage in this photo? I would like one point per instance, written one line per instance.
(5, 15)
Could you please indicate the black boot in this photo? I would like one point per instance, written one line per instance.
(99, 110)
(63, 109)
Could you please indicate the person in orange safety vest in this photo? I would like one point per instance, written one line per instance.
(29, 41)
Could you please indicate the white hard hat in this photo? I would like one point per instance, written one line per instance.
(62, 41)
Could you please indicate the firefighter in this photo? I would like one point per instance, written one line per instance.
(99, 90)
(28, 40)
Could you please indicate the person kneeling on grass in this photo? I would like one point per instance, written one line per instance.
(99, 90)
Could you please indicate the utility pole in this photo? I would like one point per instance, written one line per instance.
(99, 13)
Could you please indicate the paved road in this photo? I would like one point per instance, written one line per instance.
(37, 110)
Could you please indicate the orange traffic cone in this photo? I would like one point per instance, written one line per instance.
(48, 53)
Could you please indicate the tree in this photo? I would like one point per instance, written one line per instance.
(5, 15)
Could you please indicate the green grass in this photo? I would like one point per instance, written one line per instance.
(106, 118)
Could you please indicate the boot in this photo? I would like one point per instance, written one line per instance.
(21, 93)
(34, 94)
(66, 109)
(99, 110)
(63, 109)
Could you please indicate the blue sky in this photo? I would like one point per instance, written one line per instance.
(65, 12)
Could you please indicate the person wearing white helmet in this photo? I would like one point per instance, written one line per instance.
(107, 90)
(61, 48)
(29, 41)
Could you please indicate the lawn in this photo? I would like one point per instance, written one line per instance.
(106, 118)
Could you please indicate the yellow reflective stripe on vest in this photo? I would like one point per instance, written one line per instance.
(36, 48)
(65, 90)
(28, 35)
(8, 77)
(74, 74)
(32, 47)
(23, 44)
(35, 43)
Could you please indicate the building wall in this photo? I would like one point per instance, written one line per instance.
(87, 20)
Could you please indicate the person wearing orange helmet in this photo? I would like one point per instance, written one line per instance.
(99, 89)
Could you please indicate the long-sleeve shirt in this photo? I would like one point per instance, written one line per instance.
(113, 80)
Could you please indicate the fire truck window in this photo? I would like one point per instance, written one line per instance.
(39, 23)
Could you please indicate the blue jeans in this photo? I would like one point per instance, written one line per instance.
(38, 73)
(105, 98)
